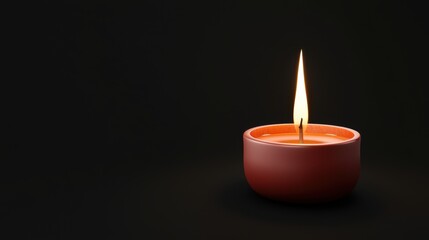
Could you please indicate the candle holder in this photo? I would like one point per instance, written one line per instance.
(312, 172)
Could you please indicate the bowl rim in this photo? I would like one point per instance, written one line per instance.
(356, 136)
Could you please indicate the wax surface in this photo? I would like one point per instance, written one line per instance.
(309, 138)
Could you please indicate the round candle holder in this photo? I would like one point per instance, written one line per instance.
(302, 173)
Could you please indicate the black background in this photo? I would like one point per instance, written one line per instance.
(124, 121)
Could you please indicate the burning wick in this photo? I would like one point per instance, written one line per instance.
(301, 133)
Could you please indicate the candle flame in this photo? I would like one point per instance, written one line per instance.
(300, 109)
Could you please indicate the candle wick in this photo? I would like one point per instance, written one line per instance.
(301, 132)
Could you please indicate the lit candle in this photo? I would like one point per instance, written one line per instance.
(301, 162)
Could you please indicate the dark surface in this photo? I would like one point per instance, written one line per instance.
(125, 121)
(209, 199)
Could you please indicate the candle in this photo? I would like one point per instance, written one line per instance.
(301, 162)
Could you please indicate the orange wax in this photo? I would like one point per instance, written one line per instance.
(315, 134)
(309, 138)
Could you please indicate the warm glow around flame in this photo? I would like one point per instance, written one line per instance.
(300, 109)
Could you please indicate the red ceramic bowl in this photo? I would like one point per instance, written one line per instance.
(302, 173)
